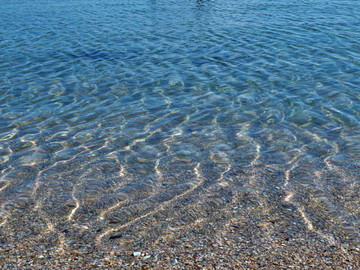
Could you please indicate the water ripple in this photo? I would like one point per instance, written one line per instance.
(171, 113)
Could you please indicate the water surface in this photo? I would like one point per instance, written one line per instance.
(117, 112)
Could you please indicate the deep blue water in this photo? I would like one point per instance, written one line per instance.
(112, 109)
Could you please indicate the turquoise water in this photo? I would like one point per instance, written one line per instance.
(112, 112)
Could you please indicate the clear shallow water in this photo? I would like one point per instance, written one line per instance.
(113, 112)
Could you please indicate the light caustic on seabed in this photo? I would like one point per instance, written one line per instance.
(316, 177)
(198, 181)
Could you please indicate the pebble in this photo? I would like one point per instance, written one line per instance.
(136, 253)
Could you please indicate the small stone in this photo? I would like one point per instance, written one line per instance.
(147, 257)
(136, 253)
(115, 236)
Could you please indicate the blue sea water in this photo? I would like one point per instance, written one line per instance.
(113, 111)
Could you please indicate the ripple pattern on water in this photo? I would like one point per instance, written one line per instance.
(162, 116)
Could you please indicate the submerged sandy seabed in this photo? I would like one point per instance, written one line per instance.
(211, 225)
(227, 240)
(131, 208)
